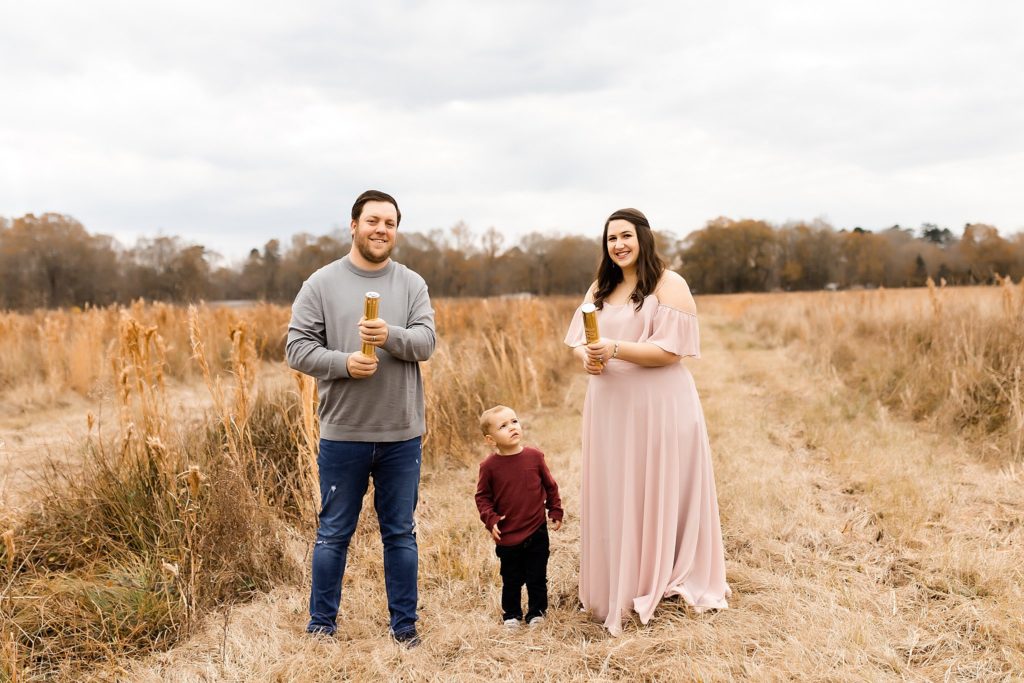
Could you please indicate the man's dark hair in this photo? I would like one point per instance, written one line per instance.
(649, 266)
(374, 196)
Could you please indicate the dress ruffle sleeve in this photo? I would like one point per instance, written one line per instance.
(576, 336)
(674, 331)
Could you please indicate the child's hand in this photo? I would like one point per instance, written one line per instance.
(556, 524)
(495, 533)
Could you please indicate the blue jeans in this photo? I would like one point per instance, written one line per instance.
(345, 469)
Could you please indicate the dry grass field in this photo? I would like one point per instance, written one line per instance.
(867, 448)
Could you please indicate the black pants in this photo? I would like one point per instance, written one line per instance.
(526, 563)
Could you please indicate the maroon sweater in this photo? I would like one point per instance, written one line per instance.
(519, 487)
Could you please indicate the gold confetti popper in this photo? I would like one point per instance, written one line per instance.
(590, 324)
(371, 309)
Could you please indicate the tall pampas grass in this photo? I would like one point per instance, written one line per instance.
(506, 351)
(953, 356)
(161, 522)
(45, 353)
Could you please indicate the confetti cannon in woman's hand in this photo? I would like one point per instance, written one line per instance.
(590, 325)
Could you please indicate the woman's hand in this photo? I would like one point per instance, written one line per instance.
(601, 350)
(596, 354)
(590, 367)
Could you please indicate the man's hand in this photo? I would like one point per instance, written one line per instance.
(360, 366)
(495, 533)
(556, 524)
(373, 331)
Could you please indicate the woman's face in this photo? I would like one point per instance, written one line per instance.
(623, 246)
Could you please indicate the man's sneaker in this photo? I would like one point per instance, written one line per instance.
(321, 631)
(408, 639)
(511, 624)
(536, 621)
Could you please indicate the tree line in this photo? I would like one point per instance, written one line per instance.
(754, 256)
(52, 260)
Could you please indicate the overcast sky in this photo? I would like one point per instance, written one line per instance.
(230, 123)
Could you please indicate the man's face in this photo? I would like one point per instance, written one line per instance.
(375, 232)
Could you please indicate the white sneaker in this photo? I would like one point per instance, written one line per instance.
(536, 621)
(511, 624)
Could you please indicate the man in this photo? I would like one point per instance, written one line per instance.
(371, 407)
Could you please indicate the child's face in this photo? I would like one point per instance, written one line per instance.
(505, 432)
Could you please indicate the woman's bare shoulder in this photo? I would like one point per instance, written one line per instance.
(672, 291)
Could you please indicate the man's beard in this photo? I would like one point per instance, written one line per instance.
(363, 245)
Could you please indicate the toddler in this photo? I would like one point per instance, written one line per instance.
(512, 493)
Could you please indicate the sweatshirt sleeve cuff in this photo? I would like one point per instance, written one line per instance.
(339, 365)
(396, 336)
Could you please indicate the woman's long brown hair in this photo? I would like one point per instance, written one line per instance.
(649, 266)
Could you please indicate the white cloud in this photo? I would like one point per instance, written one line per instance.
(230, 123)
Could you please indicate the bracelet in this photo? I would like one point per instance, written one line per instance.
(616, 351)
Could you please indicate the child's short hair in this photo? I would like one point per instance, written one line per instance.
(485, 418)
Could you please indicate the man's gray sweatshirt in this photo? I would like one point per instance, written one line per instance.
(323, 333)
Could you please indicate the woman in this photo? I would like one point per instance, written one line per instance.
(649, 508)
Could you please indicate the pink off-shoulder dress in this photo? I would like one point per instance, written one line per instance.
(649, 509)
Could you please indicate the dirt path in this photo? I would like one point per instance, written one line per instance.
(859, 547)
(28, 438)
